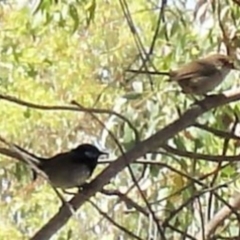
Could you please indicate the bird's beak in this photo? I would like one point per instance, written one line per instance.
(103, 153)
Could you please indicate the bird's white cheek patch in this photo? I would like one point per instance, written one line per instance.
(91, 154)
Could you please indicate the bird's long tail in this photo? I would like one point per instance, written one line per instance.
(31, 159)
(26, 154)
(148, 72)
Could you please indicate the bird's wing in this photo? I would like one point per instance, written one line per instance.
(66, 170)
(186, 72)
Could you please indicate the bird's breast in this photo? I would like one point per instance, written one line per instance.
(68, 176)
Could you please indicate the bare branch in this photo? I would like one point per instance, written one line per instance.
(125, 199)
(218, 218)
(131, 234)
(155, 141)
(211, 158)
(129, 169)
(68, 108)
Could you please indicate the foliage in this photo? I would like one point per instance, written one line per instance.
(78, 50)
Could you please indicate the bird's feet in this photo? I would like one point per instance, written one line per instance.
(84, 185)
(201, 103)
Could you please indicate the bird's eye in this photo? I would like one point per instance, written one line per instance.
(228, 63)
(91, 154)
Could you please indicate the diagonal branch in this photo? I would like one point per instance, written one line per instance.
(219, 217)
(151, 143)
(206, 157)
(129, 169)
(69, 108)
(117, 225)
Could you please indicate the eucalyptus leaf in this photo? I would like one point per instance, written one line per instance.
(27, 113)
(180, 143)
(74, 15)
(132, 96)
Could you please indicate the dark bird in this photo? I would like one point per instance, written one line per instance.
(68, 169)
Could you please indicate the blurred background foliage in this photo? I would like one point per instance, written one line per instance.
(53, 52)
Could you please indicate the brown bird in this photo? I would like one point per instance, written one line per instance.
(199, 76)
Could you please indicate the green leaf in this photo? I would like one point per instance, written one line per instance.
(74, 15)
(180, 143)
(27, 113)
(90, 8)
(154, 170)
(132, 96)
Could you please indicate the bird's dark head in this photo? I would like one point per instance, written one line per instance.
(89, 151)
(87, 154)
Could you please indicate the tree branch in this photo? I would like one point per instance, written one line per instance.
(151, 143)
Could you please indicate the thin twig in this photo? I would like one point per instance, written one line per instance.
(69, 108)
(129, 169)
(113, 222)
